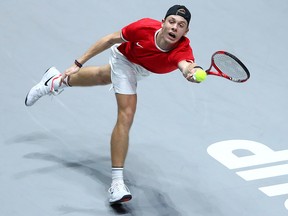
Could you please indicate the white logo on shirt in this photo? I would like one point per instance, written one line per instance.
(139, 45)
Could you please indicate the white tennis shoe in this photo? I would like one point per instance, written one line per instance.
(46, 86)
(119, 193)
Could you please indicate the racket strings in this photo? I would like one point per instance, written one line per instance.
(230, 66)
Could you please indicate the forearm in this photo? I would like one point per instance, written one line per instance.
(100, 46)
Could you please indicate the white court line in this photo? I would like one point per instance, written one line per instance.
(261, 173)
(275, 190)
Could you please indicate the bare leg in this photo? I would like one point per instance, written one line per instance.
(120, 135)
(119, 146)
(91, 76)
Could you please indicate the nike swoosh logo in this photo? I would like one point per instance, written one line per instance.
(139, 45)
(46, 83)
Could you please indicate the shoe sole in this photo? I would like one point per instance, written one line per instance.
(125, 198)
(26, 100)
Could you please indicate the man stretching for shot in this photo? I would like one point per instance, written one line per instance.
(141, 48)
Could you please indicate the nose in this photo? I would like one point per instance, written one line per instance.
(174, 27)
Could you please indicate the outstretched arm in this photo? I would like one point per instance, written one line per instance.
(101, 45)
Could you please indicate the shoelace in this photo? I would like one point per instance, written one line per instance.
(55, 92)
(117, 187)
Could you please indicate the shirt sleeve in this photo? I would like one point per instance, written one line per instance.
(136, 30)
(129, 32)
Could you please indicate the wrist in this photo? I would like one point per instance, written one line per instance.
(77, 63)
(198, 67)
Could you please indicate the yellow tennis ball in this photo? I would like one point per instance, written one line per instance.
(200, 75)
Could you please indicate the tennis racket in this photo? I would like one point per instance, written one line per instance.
(226, 65)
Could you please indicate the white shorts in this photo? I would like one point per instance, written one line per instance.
(125, 74)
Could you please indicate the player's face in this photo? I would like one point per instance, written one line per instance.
(174, 27)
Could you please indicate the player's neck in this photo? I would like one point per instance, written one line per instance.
(162, 43)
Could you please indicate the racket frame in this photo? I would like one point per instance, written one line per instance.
(218, 72)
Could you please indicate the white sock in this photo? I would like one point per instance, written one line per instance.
(117, 175)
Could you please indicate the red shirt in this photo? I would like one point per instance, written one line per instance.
(140, 47)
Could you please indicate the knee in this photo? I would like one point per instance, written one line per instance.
(105, 79)
(96, 75)
(126, 118)
(104, 75)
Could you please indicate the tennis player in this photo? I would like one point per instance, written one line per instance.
(140, 49)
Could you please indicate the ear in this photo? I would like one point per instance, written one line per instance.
(163, 21)
(186, 31)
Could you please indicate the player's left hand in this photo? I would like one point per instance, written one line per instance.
(71, 70)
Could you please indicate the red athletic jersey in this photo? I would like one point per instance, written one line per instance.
(140, 47)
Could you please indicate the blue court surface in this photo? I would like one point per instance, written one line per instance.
(212, 149)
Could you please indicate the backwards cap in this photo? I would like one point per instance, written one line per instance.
(179, 10)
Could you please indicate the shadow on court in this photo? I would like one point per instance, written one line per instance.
(155, 202)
